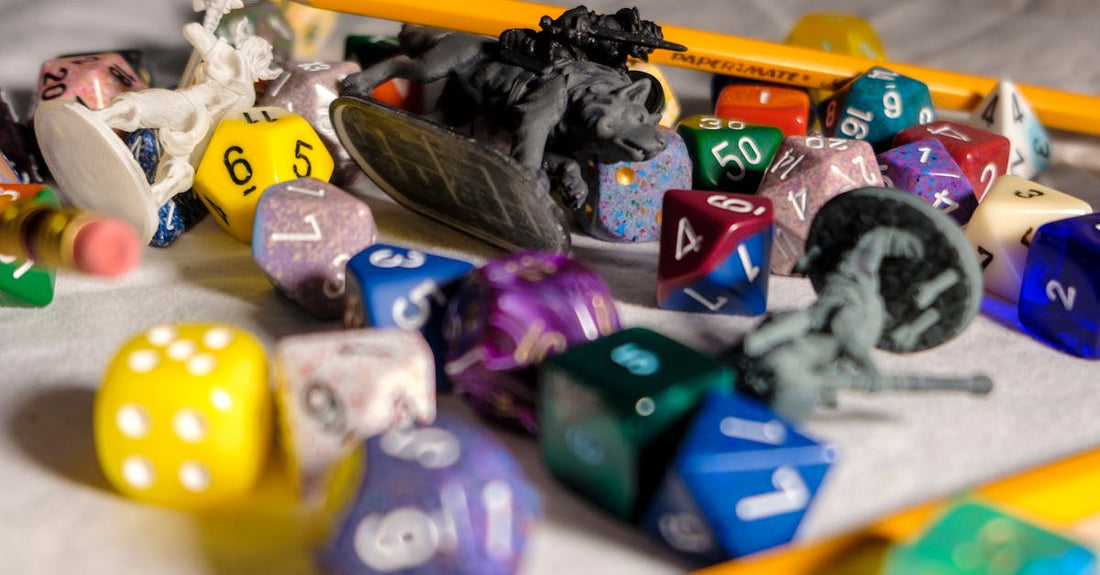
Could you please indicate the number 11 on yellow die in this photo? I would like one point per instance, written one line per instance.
(248, 152)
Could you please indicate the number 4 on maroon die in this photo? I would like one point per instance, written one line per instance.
(715, 252)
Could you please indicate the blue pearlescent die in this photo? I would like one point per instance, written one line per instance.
(741, 482)
(393, 286)
(738, 286)
(1060, 297)
(445, 498)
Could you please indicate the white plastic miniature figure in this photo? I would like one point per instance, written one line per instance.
(95, 170)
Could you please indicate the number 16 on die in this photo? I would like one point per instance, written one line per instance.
(393, 286)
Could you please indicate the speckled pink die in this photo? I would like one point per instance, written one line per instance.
(307, 89)
(336, 389)
(89, 79)
(511, 314)
(304, 233)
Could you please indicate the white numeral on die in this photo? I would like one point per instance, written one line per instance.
(791, 495)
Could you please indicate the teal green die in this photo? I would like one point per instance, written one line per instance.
(876, 106)
(21, 282)
(973, 539)
(613, 410)
(728, 155)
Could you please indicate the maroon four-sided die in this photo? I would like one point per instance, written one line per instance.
(89, 79)
(307, 89)
(511, 314)
(445, 498)
(982, 155)
(305, 232)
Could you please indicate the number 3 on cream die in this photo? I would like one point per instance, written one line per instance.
(183, 417)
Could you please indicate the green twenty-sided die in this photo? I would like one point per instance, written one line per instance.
(728, 155)
(21, 282)
(613, 410)
(972, 539)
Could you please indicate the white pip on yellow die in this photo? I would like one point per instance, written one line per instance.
(184, 415)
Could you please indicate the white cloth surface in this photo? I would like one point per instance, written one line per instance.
(60, 516)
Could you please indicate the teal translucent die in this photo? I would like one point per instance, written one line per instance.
(973, 539)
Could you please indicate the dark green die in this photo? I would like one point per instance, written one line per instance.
(21, 282)
(613, 410)
(728, 155)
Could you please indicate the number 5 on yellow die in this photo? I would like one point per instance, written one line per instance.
(183, 417)
(248, 152)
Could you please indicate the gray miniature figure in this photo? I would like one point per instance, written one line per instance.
(892, 272)
(562, 92)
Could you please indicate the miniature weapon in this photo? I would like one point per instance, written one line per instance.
(891, 272)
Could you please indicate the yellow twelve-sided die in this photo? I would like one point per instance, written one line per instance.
(184, 415)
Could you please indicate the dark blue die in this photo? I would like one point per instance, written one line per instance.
(926, 169)
(875, 106)
(1060, 297)
(424, 500)
(392, 286)
(180, 213)
(741, 481)
(738, 286)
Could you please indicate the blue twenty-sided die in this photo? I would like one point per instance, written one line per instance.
(1060, 297)
(875, 106)
(392, 286)
(447, 498)
(741, 481)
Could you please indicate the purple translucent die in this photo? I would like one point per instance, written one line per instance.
(305, 232)
(442, 499)
(624, 199)
(926, 169)
(307, 89)
(511, 314)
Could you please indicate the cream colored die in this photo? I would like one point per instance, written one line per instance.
(183, 417)
(1003, 224)
(336, 389)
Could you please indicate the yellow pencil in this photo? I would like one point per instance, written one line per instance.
(719, 53)
(1057, 494)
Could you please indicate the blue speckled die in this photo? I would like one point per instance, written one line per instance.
(624, 200)
(447, 498)
(875, 106)
(178, 214)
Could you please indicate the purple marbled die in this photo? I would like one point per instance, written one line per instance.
(307, 89)
(441, 499)
(305, 232)
(511, 314)
(624, 199)
(925, 169)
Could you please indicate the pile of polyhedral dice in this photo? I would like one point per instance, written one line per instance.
(648, 429)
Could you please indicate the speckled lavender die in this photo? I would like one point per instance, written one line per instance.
(511, 314)
(807, 172)
(304, 233)
(448, 498)
(307, 89)
(89, 79)
(926, 169)
(335, 389)
(177, 215)
(624, 199)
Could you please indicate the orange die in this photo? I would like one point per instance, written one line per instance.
(785, 108)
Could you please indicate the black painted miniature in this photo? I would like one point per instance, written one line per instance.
(891, 272)
(563, 93)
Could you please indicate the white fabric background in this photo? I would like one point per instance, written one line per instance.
(58, 515)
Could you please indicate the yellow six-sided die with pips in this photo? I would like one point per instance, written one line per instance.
(184, 415)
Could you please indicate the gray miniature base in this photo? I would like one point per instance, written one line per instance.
(929, 299)
(449, 177)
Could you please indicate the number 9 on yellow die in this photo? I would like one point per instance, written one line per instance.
(184, 416)
(248, 152)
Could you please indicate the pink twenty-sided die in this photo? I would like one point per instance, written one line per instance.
(304, 233)
(89, 79)
(511, 314)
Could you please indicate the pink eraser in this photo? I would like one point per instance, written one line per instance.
(106, 247)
